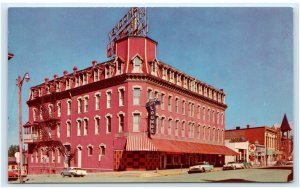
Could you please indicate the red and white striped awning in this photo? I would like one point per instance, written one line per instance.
(143, 143)
(139, 143)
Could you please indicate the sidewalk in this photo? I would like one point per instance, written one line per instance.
(152, 173)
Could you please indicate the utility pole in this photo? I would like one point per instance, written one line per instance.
(19, 84)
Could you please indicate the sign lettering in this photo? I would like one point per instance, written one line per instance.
(151, 107)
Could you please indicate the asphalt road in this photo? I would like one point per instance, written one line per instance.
(240, 176)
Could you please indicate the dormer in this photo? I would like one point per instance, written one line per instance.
(154, 67)
(137, 64)
(119, 63)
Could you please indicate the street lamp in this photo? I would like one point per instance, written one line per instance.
(19, 84)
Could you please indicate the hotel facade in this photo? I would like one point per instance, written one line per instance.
(97, 119)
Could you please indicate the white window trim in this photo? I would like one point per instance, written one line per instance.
(97, 117)
(106, 117)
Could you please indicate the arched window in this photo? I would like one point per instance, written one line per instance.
(137, 65)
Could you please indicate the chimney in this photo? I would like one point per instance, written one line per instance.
(238, 127)
(65, 72)
(248, 126)
(94, 62)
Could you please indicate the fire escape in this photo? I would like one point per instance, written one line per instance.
(45, 129)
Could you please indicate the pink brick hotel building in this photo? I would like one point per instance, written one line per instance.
(97, 118)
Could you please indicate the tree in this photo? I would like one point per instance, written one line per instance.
(12, 150)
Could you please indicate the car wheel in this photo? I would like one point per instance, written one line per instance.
(234, 168)
(62, 174)
(203, 170)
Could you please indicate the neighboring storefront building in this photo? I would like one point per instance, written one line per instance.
(240, 145)
(131, 112)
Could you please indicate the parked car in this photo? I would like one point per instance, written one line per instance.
(279, 163)
(13, 175)
(233, 166)
(289, 163)
(73, 171)
(246, 164)
(201, 167)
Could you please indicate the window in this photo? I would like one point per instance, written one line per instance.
(153, 67)
(136, 122)
(176, 127)
(169, 126)
(121, 123)
(136, 96)
(102, 150)
(85, 126)
(108, 98)
(67, 84)
(36, 157)
(97, 101)
(208, 115)
(121, 97)
(169, 104)
(198, 131)
(213, 135)
(108, 124)
(57, 86)
(176, 105)
(90, 150)
(178, 79)
(50, 110)
(31, 160)
(218, 118)
(48, 89)
(79, 105)
(203, 114)
(149, 94)
(156, 94)
(40, 92)
(183, 107)
(78, 127)
(107, 72)
(58, 109)
(218, 135)
(119, 67)
(85, 81)
(183, 129)
(41, 113)
(164, 73)
(97, 125)
(96, 75)
(162, 125)
(222, 119)
(77, 82)
(68, 129)
(162, 101)
(69, 103)
(213, 116)
(58, 130)
(137, 65)
(204, 132)
(189, 109)
(198, 113)
(34, 114)
(193, 109)
(58, 156)
(86, 104)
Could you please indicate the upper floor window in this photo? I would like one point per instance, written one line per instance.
(176, 127)
(34, 114)
(41, 113)
(178, 79)
(108, 99)
(176, 105)
(85, 80)
(164, 73)
(153, 66)
(137, 64)
(162, 101)
(50, 110)
(97, 125)
(58, 130)
(121, 97)
(170, 103)
(121, 123)
(108, 123)
(162, 125)
(96, 75)
(149, 91)
(107, 72)
(183, 129)
(77, 81)
(169, 126)
(78, 127)
(119, 67)
(86, 103)
(136, 122)
(58, 109)
(69, 104)
(85, 126)
(40, 92)
(136, 96)
(68, 129)
(57, 86)
(183, 107)
(67, 84)
(79, 105)
(97, 101)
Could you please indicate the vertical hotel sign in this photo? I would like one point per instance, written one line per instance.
(134, 23)
(151, 107)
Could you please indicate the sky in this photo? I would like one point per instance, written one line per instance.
(248, 52)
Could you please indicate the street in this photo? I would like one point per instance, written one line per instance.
(270, 174)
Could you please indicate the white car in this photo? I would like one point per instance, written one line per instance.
(201, 167)
(73, 171)
(233, 165)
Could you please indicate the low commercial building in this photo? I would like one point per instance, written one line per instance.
(240, 145)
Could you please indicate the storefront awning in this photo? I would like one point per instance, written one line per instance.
(142, 143)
